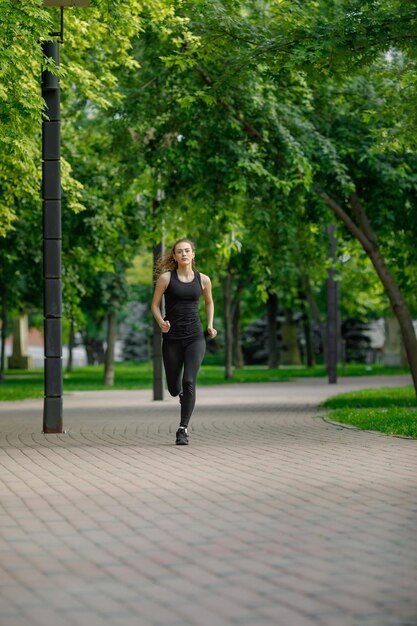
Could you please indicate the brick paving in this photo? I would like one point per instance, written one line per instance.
(271, 517)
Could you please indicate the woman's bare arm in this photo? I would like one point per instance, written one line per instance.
(208, 299)
(160, 287)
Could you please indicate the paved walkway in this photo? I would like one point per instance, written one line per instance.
(271, 517)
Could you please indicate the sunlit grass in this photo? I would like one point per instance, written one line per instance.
(389, 410)
(383, 397)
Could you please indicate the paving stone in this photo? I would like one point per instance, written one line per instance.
(271, 516)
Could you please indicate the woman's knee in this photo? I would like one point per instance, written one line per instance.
(174, 389)
(188, 387)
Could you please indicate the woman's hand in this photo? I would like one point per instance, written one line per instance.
(212, 332)
(165, 326)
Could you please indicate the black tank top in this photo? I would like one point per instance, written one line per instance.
(181, 307)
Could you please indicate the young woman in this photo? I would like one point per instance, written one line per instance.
(183, 345)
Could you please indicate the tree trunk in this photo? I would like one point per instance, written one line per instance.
(400, 309)
(94, 349)
(289, 336)
(3, 334)
(364, 234)
(237, 346)
(394, 349)
(308, 335)
(314, 312)
(108, 378)
(228, 326)
(89, 350)
(310, 357)
(272, 330)
(70, 348)
(20, 358)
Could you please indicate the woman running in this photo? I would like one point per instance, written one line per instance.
(183, 345)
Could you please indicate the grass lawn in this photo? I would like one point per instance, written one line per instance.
(391, 411)
(21, 384)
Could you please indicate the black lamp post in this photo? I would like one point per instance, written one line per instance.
(51, 193)
(158, 370)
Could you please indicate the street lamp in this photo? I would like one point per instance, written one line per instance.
(52, 238)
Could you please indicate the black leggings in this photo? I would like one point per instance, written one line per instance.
(187, 354)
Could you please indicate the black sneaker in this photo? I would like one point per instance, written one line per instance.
(181, 437)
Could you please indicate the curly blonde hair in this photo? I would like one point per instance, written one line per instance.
(167, 262)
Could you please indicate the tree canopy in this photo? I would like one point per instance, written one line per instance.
(248, 125)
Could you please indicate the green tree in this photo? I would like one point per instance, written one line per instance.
(353, 161)
(377, 202)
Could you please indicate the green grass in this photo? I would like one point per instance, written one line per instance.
(374, 398)
(391, 411)
(214, 374)
(29, 384)
(18, 385)
(10, 390)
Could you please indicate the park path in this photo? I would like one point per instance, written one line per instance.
(271, 517)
